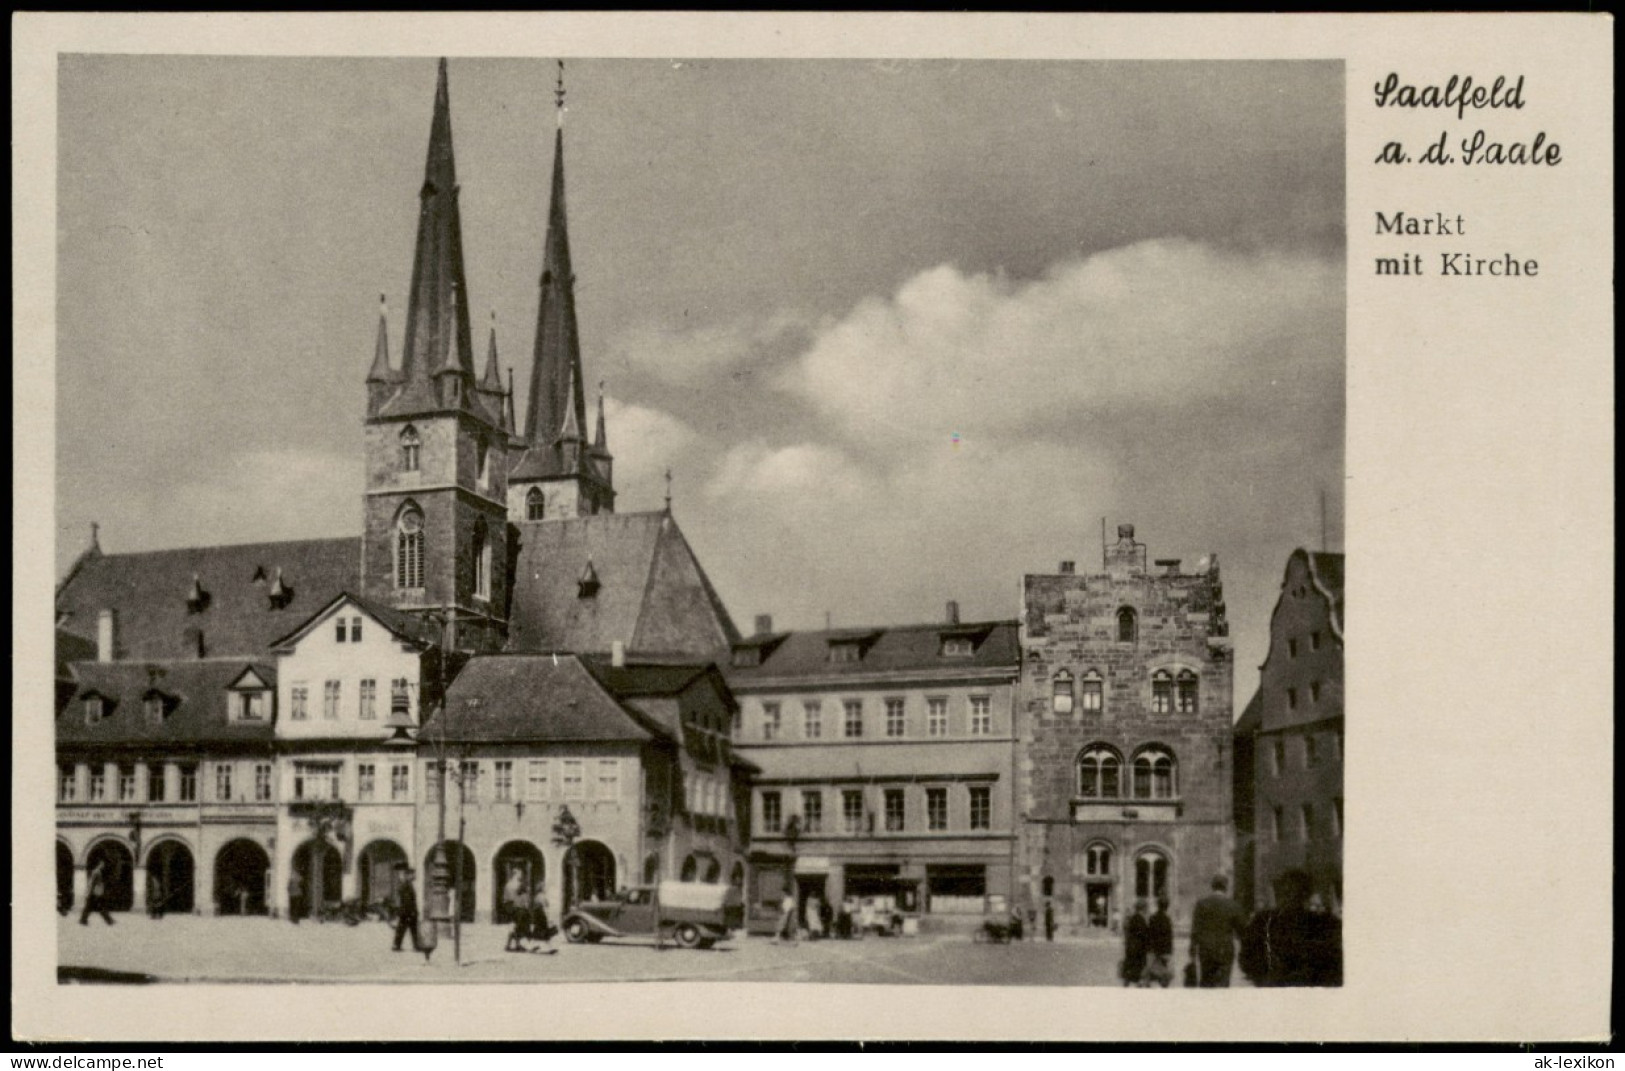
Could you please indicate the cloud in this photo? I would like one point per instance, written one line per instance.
(685, 355)
(263, 495)
(646, 442)
(1159, 324)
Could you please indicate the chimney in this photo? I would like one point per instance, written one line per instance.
(953, 612)
(1125, 531)
(106, 635)
(764, 624)
(1169, 566)
(617, 653)
(1068, 568)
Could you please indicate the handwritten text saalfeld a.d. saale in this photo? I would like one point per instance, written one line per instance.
(1459, 94)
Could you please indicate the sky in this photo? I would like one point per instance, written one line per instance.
(902, 331)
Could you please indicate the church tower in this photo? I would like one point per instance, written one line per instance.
(436, 485)
(556, 473)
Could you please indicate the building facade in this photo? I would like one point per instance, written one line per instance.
(1124, 750)
(208, 709)
(1297, 739)
(886, 763)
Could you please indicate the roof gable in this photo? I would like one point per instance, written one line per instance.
(404, 627)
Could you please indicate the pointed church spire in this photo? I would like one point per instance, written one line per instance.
(555, 381)
(600, 442)
(492, 379)
(381, 372)
(438, 339)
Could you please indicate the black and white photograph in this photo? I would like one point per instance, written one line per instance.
(586, 519)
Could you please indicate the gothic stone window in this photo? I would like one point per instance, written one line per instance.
(535, 504)
(1162, 692)
(411, 448)
(1094, 693)
(1151, 875)
(1098, 860)
(482, 560)
(409, 548)
(1155, 774)
(1062, 695)
(1185, 690)
(1126, 625)
(1099, 773)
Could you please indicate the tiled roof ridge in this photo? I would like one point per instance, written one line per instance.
(228, 546)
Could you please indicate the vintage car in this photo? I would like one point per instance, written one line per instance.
(693, 914)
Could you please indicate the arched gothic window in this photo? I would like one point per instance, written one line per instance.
(1098, 860)
(482, 461)
(1151, 875)
(1099, 773)
(1126, 625)
(535, 504)
(1186, 691)
(1162, 692)
(1062, 701)
(409, 548)
(482, 560)
(1155, 774)
(411, 446)
(1093, 693)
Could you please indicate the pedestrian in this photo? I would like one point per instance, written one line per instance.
(155, 897)
(516, 898)
(1160, 938)
(1136, 946)
(787, 918)
(296, 896)
(1049, 920)
(96, 895)
(1216, 924)
(826, 917)
(406, 912)
(1032, 922)
(1294, 944)
(540, 929)
(815, 918)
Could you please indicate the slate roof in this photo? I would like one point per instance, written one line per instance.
(196, 691)
(653, 596)
(645, 679)
(1327, 571)
(149, 592)
(904, 648)
(537, 697)
(71, 648)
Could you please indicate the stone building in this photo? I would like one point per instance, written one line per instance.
(477, 537)
(1123, 777)
(1296, 740)
(889, 753)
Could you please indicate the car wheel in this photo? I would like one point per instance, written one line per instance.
(688, 935)
(576, 931)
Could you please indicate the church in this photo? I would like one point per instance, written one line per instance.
(276, 727)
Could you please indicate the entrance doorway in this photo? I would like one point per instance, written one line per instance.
(378, 871)
(319, 865)
(526, 858)
(589, 873)
(170, 877)
(118, 874)
(240, 874)
(811, 895)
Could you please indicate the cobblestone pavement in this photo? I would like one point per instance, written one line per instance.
(183, 948)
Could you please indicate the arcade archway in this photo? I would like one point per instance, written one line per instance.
(464, 875)
(321, 872)
(241, 870)
(64, 877)
(589, 873)
(515, 855)
(171, 876)
(118, 873)
(379, 871)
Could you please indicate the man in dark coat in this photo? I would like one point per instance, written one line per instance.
(406, 918)
(96, 896)
(1292, 944)
(1136, 945)
(1216, 924)
(1160, 937)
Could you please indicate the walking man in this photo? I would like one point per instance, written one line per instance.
(1136, 945)
(1216, 924)
(1049, 920)
(96, 896)
(296, 895)
(406, 918)
(1160, 929)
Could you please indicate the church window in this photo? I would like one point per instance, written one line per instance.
(535, 504)
(1093, 692)
(411, 445)
(1186, 692)
(1062, 695)
(482, 561)
(1154, 775)
(1126, 625)
(1162, 692)
(1098, 771)
(482, 456)
(409, 549)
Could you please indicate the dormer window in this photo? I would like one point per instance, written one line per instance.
(587, 585)
(95, 709)
(411, 445)
(251, 705)
(747, 656)
(958, 647)
(851, 651)
(154, 708)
